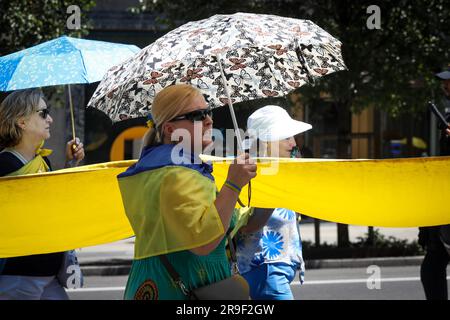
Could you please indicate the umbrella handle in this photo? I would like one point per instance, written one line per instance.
(72, 118)
(230, 105)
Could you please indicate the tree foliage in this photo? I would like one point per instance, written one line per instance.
(25, 23)
(391, 68)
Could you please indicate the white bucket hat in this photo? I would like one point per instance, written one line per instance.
(272, 123)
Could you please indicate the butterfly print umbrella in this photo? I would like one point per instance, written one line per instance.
(230, 58)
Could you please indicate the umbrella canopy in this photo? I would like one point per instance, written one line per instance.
(64, 60)
(252, 55)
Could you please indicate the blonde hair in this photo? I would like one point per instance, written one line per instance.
(18, 104)
(168, 103)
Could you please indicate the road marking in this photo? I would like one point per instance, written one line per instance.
(96, 289)
(294, 283)
(342, 281)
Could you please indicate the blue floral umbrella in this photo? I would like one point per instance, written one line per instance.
(61, 61)
(64, 60)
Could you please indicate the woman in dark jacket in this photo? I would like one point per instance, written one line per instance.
(24, 126)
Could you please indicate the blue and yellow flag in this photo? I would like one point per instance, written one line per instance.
(170, 206)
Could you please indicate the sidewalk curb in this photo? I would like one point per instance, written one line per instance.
(364, 262)
(121, 267)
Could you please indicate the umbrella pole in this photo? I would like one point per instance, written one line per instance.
(236, 128)
(230, 105)
(71, 114)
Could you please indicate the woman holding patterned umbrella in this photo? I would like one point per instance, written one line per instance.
(170, 198)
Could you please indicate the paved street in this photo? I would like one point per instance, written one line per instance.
(340, 284)
(397, 283)
(328, 233)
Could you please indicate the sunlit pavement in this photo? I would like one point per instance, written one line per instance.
(397, 283)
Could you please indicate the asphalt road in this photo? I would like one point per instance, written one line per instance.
(394, 283)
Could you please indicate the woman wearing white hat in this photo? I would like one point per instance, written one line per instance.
(269, 246)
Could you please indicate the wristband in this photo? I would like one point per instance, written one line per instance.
(232, 186)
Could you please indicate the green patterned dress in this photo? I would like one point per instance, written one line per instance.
(149, 280)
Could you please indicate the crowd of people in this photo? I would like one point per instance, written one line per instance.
(182, 221)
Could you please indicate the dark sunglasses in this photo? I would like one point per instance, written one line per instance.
(197, 115)
(43, 113)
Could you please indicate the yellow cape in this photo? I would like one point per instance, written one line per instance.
(170, 209)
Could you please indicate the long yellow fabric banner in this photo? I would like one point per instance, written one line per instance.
(79, 207)
(62, 210)
(409, 192)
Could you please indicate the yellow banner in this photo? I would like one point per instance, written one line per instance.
(62, 210)
(409, 192)
(79, 207)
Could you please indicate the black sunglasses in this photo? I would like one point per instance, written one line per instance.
(197, 115)
(43, 113)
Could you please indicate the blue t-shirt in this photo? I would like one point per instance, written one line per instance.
(278, 241)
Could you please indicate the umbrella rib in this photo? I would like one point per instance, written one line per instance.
(84, 66)
(230, 105)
